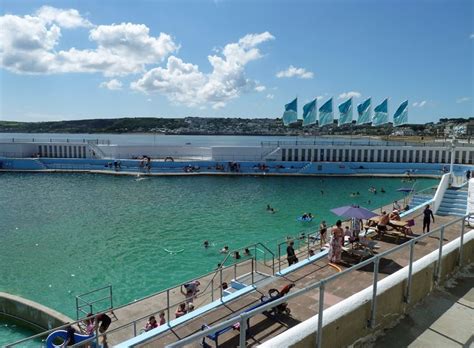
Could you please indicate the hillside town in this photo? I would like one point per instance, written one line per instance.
(461, 127)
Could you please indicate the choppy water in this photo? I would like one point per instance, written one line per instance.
(65, 234)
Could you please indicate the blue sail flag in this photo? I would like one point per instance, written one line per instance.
(401, 115)
(380, 113)
(290, 115)
(326, 115)
(364, 111)
(345, 112)
(309, 113)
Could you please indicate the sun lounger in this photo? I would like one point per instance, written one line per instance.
(215, 336)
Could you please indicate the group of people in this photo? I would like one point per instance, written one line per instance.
(93, 324)
(152, 323)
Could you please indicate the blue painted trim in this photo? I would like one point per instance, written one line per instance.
(140, 339)
(302, 263)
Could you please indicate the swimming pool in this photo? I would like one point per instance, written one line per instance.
(66, 234)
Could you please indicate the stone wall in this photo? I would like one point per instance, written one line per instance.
(347, 322)
(31, 312)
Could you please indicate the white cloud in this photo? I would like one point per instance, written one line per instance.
(292, 71)
(260, 88)
(463, 100)
(471, 36)
(270, 96)
(113, 84)
(28, 45)
(184, 83)
(64, 18)
(419, 104)
(351, 94)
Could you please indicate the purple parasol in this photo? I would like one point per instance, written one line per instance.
(351, 211)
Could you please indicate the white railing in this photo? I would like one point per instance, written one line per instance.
(442, 187)
(243, 318)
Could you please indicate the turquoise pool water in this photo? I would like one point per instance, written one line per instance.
(13, 330)
(65, 234)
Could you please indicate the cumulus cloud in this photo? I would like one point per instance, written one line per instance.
(28, 45)
(260, 88)
(471, 36)
(113, 84)
(292, 71)
(463, 100)
(270, 96)
(351, 94)
(184, 83)
(70, 18)
(419, 104)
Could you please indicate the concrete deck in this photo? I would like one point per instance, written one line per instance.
(443, 319)
(263, 327)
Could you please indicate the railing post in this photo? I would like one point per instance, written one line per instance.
(253, 276)
(243, 332)
(134, 329)
(440, 254)
(212, 289)
(307, 242)
(463, 227)
(168, 304)
(410, 271)
(320, 315)
(279, 258)
(373, 309)
(220, 280)
(96, 335)
(235, 271)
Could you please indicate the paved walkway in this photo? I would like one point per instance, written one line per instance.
(444, 319)
(262, 327)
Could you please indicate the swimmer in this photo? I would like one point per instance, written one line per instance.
(206, 244)
(246, 252)
(224, 250)
(382, 190)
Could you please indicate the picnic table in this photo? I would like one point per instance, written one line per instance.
(361, 249)
(400, 228)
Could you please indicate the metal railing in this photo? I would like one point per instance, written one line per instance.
(55, 140)
(375, 260)
(84, 301)
(360, 142)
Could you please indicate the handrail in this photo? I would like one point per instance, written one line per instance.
(242, 317)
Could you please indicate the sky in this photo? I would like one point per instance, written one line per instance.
(64, 60)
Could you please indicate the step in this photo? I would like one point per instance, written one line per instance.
(456, 193)
(449, 214)
(451, 211)
(454, 198)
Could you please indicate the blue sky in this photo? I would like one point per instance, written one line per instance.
(101, 59)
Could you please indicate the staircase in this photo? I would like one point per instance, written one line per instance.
(305, 168)
(272, 155)
(419, 199)
(454, 202)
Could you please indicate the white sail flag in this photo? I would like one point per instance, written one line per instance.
(345, 112)
(380, 113)
(309, 113)
(401, 115)
(364, 110)
(326, 115)
(291, 113)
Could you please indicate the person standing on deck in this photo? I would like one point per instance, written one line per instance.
(335, 244)
(290, 254)
(427, 216)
